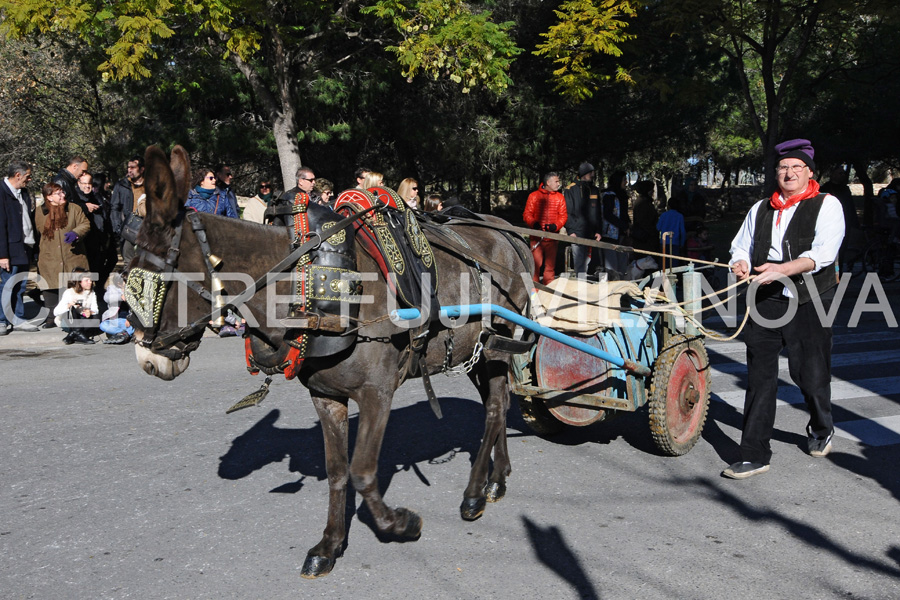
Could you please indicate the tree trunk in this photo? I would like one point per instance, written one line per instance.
(285, 131)
(279, 108)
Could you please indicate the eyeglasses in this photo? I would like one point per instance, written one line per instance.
(793, 168)
(264, 186)
(415, 189)
(305, 179)
(212, 177)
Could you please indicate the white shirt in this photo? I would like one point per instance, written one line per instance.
(828, 237)
(87, 297)
(27, 229)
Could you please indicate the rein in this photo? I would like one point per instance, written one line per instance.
(162, 343)
(567, 238)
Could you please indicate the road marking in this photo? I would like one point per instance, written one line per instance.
(880, 431)
(727, 348)
(840, 390)
(837, 360)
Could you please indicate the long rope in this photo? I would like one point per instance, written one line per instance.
(713, 335)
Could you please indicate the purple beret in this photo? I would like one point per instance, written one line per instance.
(800, 149)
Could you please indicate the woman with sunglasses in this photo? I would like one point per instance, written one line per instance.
(409, 191)
(206, 197)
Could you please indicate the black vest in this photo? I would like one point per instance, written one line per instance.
(798, 238)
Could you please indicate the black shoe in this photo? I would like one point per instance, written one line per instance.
(69, 338)
(48, 325)
(79, 338)
(117, 338)
(743, 470)
(820, 447)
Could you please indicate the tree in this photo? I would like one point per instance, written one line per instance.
(286, 50)
(779, 49)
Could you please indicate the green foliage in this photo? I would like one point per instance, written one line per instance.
(585, 29)
(132, 26)
(445, 38)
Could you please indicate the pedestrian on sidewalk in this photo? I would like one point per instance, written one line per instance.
(17, 239)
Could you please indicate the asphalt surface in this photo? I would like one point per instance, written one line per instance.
(119, 485)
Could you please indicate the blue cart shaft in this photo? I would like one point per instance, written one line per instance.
(476, 310)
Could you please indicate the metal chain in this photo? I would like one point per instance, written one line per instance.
(441, 461)
(465, 367)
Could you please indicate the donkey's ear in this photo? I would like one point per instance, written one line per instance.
(181, 168)
(163, 201)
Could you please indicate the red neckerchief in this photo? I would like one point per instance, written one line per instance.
(812, 190)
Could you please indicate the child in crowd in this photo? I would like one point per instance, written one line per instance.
(78, 302)
(115, 324)
(672, 234)
(697, 245)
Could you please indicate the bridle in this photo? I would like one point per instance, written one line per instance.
(145, 291)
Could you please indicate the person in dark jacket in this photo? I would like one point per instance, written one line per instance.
(127, 199)
(101, 249)
(691, 203)
(224, 182)
(584, 216)
(17, 239)
(837, 187)
(67, 179)
(614, 201)
(306, 182)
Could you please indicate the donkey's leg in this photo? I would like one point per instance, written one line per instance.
(333, 417)
(374, 410)
(489, 376)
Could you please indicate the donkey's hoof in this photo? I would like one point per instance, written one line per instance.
(472, 508)
(413, 527)
(495, 491)
(316, 566)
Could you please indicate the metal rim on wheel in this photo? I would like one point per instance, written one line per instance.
(679, 396)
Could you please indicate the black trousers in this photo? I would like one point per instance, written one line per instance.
(808, 343)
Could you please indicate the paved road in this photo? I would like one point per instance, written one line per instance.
(118, 485)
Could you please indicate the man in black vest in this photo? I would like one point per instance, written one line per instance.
(796, 234)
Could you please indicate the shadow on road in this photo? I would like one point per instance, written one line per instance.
(802, 532)
(551, 549)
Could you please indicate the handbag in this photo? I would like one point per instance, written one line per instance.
(131, 227)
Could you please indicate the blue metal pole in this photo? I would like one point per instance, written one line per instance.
(454, 312)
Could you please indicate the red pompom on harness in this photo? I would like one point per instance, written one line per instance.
(297, 353)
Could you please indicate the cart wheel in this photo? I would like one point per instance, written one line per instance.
(538, 417)
(679, 395)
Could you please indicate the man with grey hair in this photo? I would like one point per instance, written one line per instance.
(790, 243)
(306, 181)
(17, 239)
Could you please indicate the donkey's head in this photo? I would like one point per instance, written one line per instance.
(166, 314)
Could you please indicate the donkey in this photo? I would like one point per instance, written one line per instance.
(368, 371)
